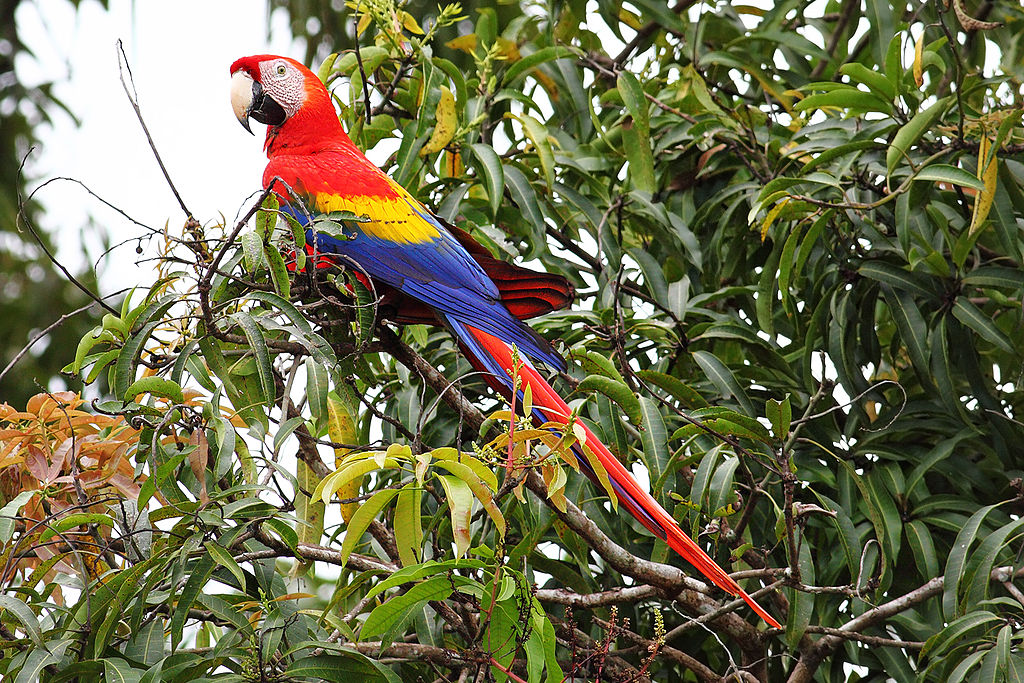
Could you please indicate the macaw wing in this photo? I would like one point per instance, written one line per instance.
(526, 293)
(405, 246)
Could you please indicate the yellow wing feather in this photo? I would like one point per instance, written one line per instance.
(399, 219)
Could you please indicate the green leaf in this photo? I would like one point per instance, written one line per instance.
(23, 613)
(912, 327)
(875, 81)
(995, 276)
(954, 635)
(845, 98)
(780, 415)
(266, 217)
(408, 523)
(723, 421)
(117, 670)
(801, 604)
(147, 645)
(594, 362)
(957, 561)
(640, 158)
(222, 557)
(500, 638)
(897, 277)
(317, 386)
(460, 508)
(258, 346)
(488, 165)
(892, 524)
(422, 571)
(365, 514)
(531, 61)
(721, 376)
(972, 316)
(702, 479)
(252, 250)
(524, 196)
(983, 560)
(128, 359)
(479, 488)
(720, 490)
(919, 538)
(538, 136)
(944, 173)
(352, 468)
(366, 308)
(654, 438)
(9, 513)
(74, 520)
(912, 131)
(198, 576)
(675, 387)
(278, 270)
(389, 618)
(345, 666)
(617, 391)
(158, 386)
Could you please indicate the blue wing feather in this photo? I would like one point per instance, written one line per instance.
(439, 272)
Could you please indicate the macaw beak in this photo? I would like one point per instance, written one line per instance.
(249, 101)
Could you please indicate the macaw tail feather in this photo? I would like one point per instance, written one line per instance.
(494, 359)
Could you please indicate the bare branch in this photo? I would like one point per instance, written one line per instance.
(133, 98)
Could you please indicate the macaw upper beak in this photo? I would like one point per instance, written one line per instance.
(249, 101)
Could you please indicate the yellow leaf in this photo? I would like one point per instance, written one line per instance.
(630, 19)
(446, 122)
(508, 50)
(772, 215)
(749, 9)
(547, 83)
(555, 479)
(987, 174)
(341, 428)
(452, 165)
(918, 56)
(466, 43)
(395, 450)
(364, 21)
(411, 25)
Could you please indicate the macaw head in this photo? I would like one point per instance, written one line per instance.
(286, 96)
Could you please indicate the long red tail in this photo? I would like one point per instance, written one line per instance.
(494, 358)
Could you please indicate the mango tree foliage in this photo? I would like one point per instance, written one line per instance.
(796, 239)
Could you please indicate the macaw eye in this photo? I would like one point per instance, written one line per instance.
(281, 70)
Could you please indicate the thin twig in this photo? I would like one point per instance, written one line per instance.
(133, 98)
(60, 321)
(22, 219)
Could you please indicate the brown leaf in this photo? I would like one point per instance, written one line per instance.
(198, 459)
(970, 23)
(36, 463)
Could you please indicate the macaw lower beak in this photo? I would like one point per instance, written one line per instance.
(249, 101)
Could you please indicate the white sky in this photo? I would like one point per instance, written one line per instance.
(179, 53)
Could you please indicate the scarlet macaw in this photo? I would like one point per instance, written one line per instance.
(414, 256)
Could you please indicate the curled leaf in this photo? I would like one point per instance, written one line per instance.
(446, 123)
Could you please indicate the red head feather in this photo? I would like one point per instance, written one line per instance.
(311, 124)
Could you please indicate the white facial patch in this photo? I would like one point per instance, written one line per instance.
(284, 83)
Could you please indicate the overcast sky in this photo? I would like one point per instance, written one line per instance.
(179, 53)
